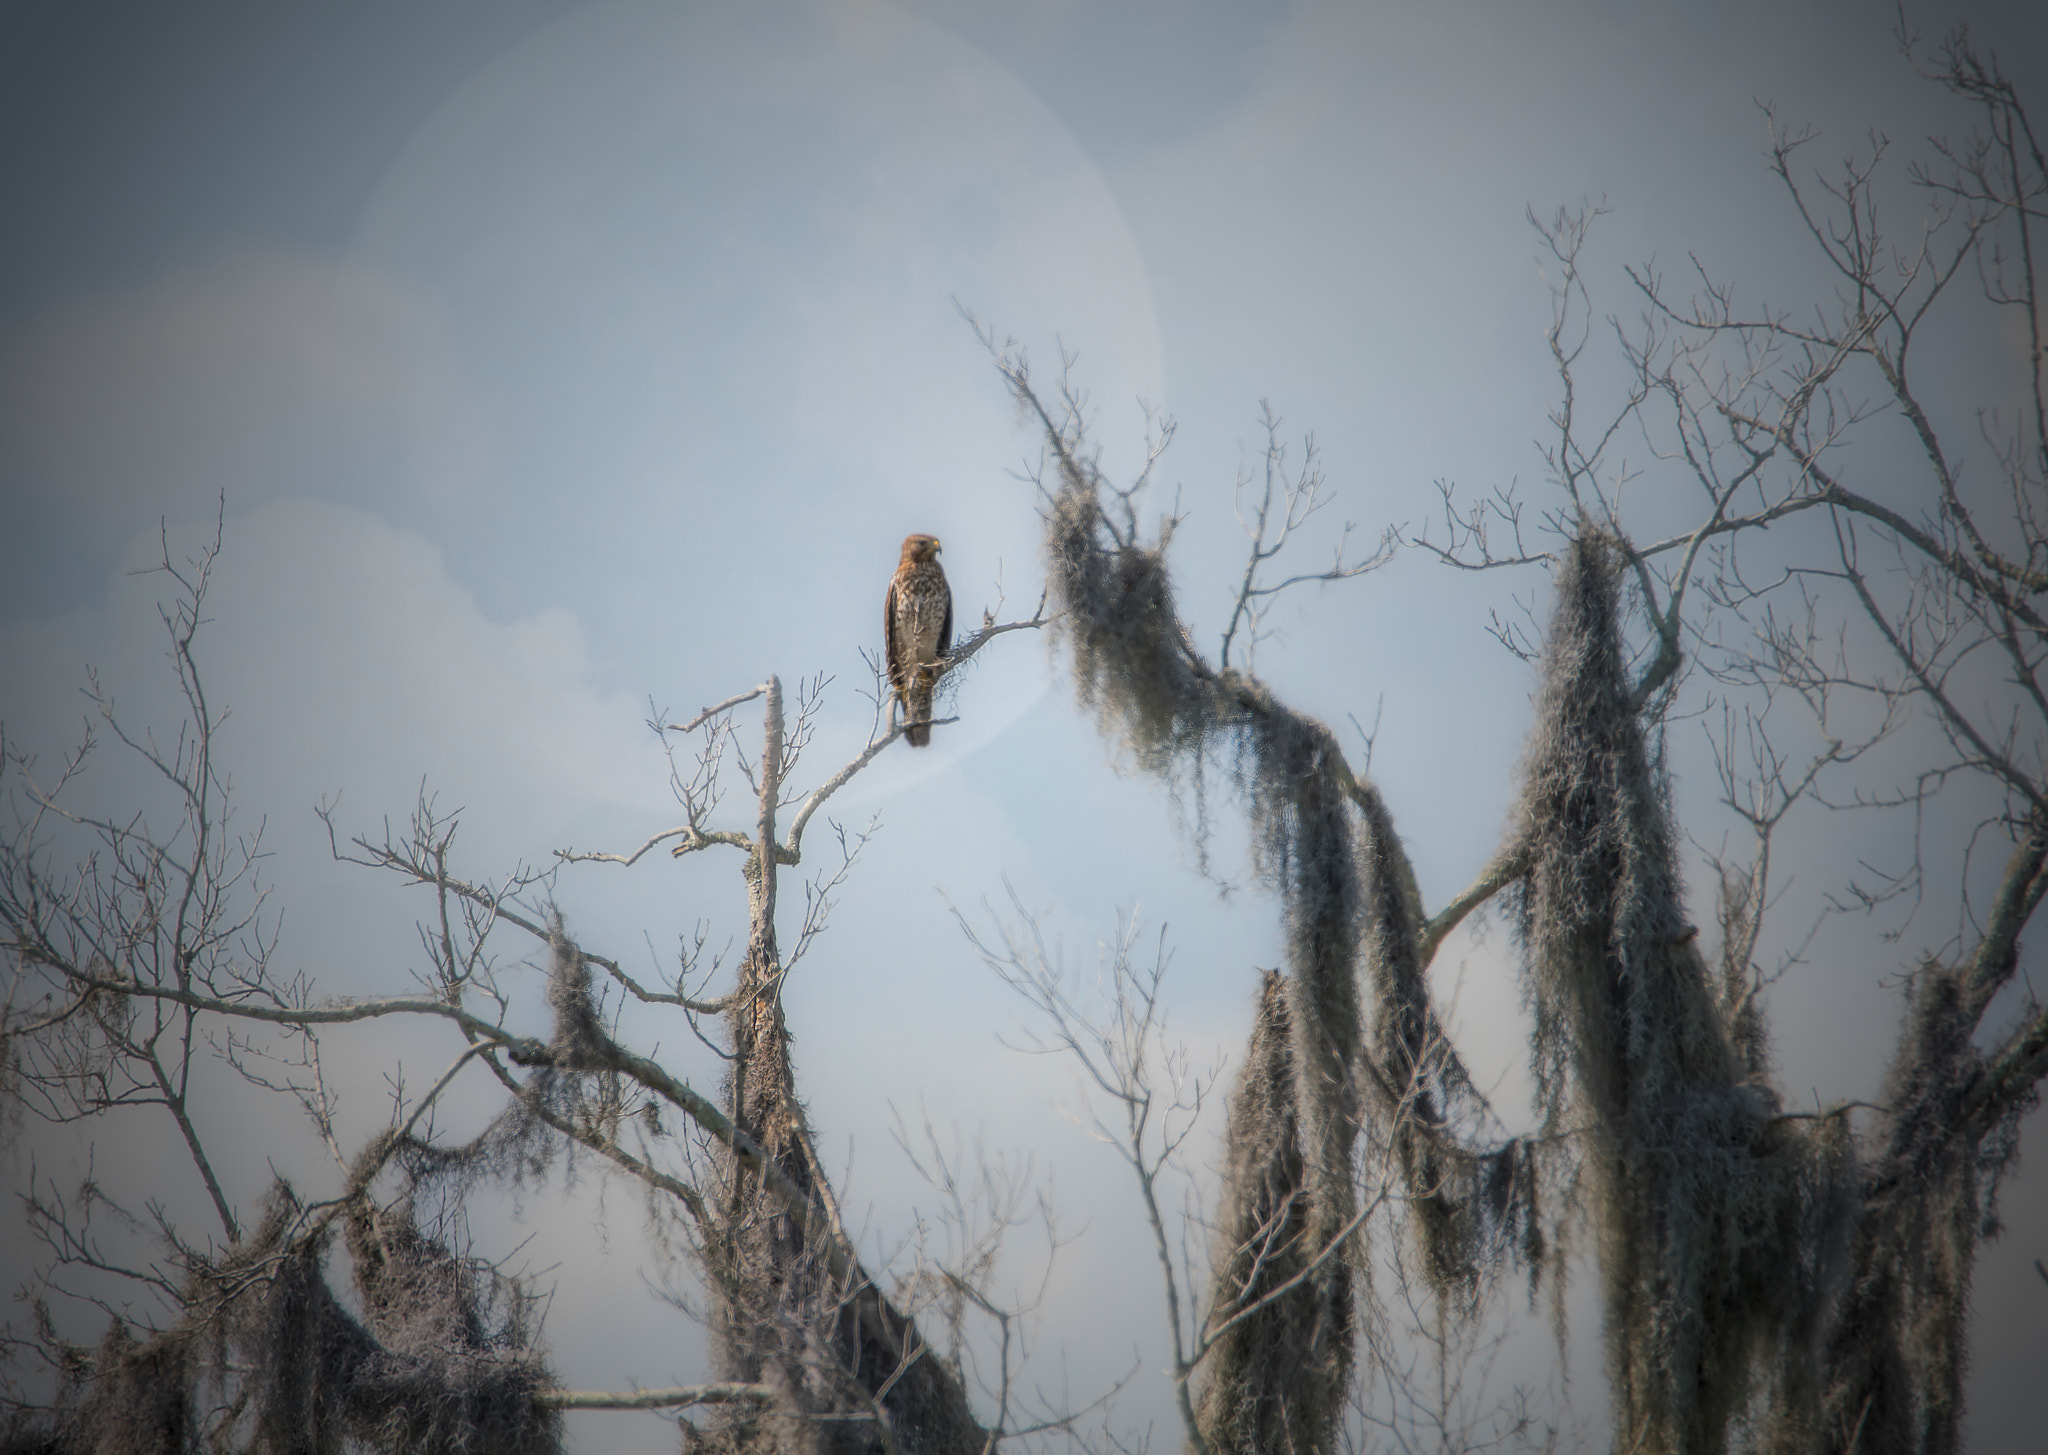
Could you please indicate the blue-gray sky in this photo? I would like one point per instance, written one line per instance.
(553, 357)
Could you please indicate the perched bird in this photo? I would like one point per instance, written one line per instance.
(917, 630)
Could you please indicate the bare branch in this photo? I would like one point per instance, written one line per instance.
(710, 712)
(673, 1397)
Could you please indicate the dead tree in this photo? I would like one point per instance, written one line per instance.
(137, 956)
(795, 1311)
(1797, 1281)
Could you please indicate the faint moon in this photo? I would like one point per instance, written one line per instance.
(704, 263)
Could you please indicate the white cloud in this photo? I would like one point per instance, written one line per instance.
(345, 661)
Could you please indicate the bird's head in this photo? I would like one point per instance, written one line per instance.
(920, 548)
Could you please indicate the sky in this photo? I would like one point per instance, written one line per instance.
(558, 361)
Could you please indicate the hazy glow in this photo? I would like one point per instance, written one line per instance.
(627, 367)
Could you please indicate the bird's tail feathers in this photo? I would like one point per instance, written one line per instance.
(917, 707)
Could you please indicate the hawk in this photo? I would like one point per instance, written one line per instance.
(917, 630)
